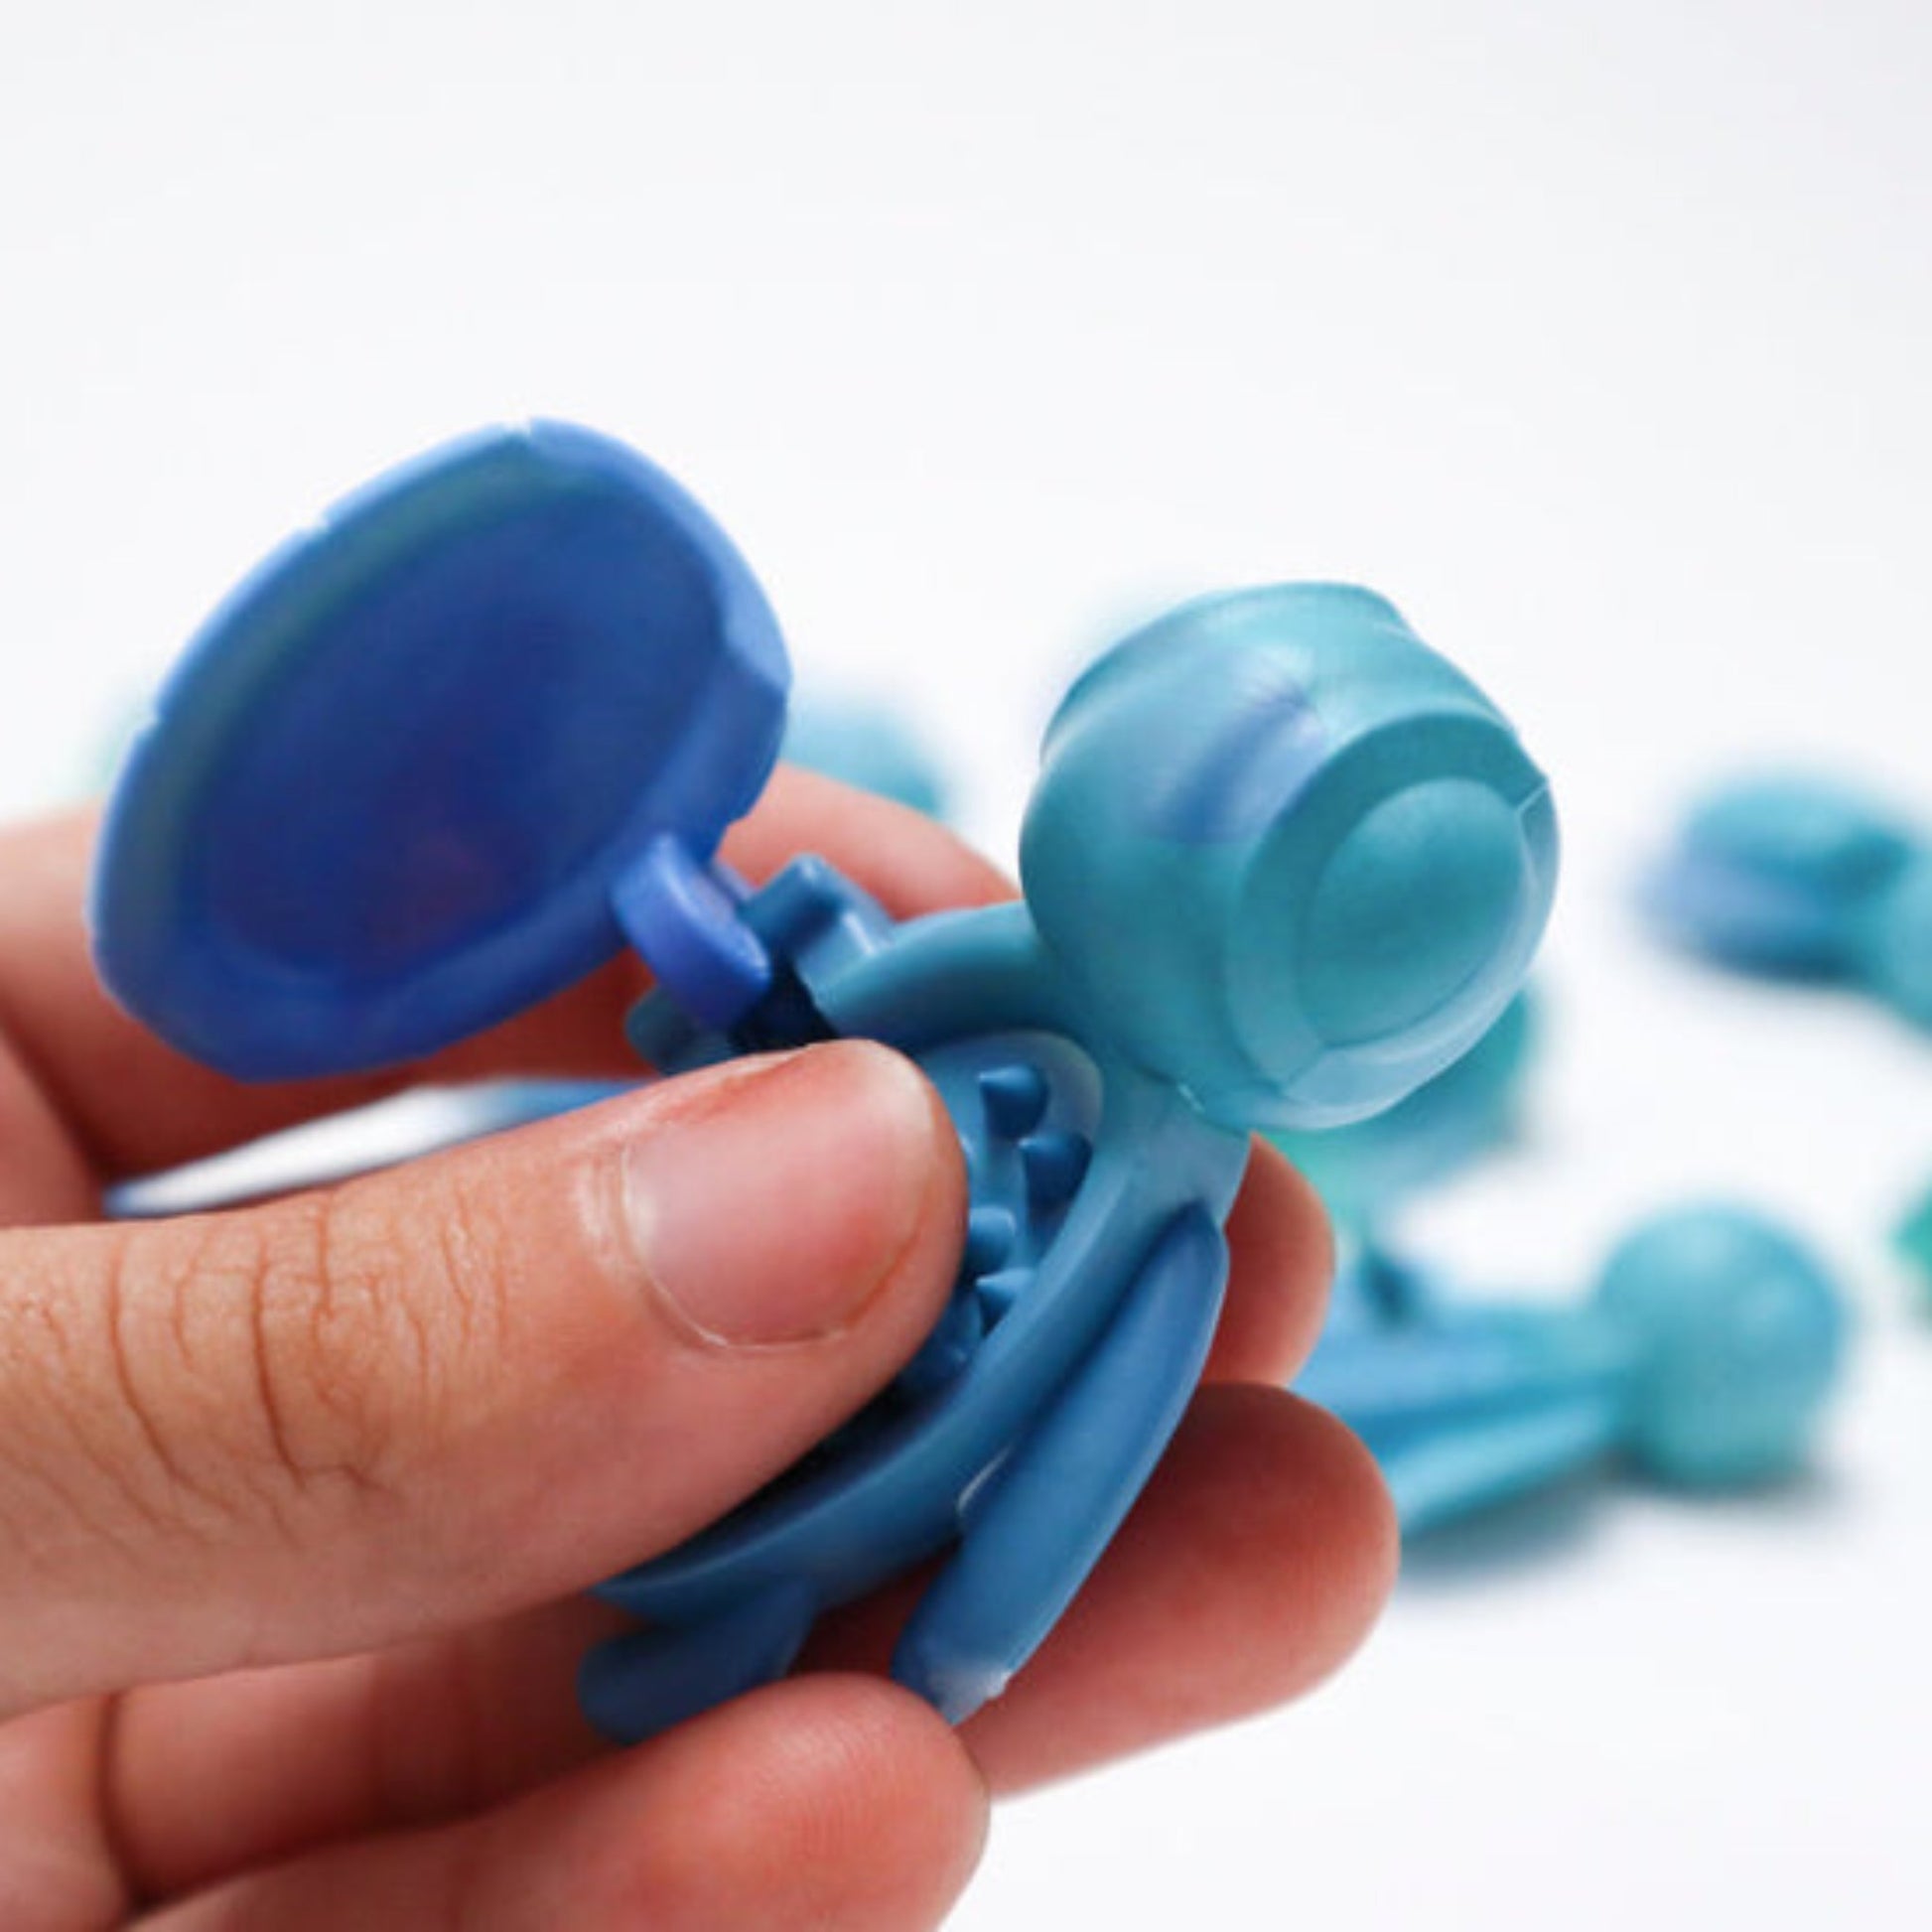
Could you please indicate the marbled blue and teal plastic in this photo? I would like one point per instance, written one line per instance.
(487, 725)
(1798, 877)
(1702, 1360)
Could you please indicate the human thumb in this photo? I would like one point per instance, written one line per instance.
(459, 1387)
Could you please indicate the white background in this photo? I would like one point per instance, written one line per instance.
(1596, 335)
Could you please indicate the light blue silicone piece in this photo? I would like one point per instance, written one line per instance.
(1362, 1172)
(1282, 865)
(865, 745)
(1798, 877)
(1702, 1360)
(1298, 860)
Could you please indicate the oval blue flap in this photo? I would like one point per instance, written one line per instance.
(385, 796)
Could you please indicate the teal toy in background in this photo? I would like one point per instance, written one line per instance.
(1702, 1360)
(865, 745)
(1802, 879)
(1915, 1244)
(486, 723)
(1362, 1172)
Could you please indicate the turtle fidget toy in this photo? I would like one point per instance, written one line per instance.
(1702, 1358)
(1797, 878)
(486, 723)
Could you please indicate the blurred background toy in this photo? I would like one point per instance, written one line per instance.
(1701, 1360)
(1802, 879)
(1915, 1243)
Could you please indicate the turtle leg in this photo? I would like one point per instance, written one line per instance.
(635, 1685)
(1035, 1527)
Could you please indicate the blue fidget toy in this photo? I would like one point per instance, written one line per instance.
(485, 725)
(1702, 1358)
(1795, 878)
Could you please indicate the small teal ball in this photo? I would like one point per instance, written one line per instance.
(1740, 1331)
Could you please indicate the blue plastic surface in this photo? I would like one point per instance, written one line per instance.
(1798, 877)
(1282, 865)
(1703, 1359)
(1363, 1171)
(389, 792)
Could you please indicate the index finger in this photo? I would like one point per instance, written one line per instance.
(134, 1103)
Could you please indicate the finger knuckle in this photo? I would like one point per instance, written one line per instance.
(209, 1321)
(136, 1409)
(222, 1374)
(375, 1320)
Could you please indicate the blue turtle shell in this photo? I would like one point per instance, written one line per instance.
(488, 721)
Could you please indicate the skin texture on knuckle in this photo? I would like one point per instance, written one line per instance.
(102, 1391)
(159, 1410)
(382, 1329)
(231, 1377)
(416, 1336)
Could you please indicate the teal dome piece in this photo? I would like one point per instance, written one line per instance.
(1283, 863)
(1704, 1360)
(1802, 879)
(1298, 860)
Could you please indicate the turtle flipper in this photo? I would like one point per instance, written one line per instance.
(1038, 1524)
(635, 1685)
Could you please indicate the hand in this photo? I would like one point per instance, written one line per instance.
(297, 1501)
